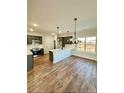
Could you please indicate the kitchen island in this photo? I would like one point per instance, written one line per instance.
(56, 55)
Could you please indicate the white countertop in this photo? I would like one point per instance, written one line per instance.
(59, 50)
(29, 52)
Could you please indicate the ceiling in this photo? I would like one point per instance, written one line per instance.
(48, 14)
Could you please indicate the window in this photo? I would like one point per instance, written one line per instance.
(81, 40)
(87, 44)
(90, 44)
(81, 44)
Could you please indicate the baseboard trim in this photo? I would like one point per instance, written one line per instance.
(86, 58)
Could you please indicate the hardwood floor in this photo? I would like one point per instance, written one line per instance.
(71, 75)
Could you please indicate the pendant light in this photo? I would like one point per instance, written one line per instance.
(75, 19)
(57, 33)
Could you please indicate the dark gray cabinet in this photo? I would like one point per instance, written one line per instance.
(30, 62)
(65, 40)
(38, 39)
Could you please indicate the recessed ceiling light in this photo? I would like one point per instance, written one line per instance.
(31, 29)
(35, 25)
(60, 32)
(53, 34)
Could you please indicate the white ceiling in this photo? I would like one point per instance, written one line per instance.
(48, 14)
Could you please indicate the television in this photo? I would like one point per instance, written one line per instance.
(34, 39)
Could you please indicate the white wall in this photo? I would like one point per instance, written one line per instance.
(83, 33)
(47, 41)
(84, 54)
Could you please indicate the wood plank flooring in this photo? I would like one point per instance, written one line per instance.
(71, 75)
